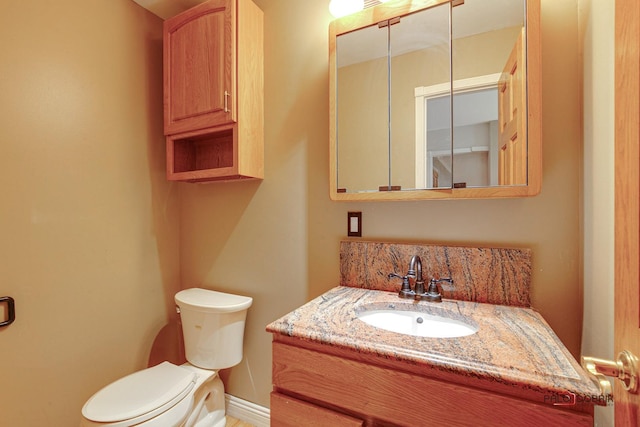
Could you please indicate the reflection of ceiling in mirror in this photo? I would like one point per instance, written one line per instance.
(469, 108)
(473, 112)
(472, 17)
(167, 8)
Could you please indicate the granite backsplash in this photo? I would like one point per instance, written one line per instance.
(488, 275)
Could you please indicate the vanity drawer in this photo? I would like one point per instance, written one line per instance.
(289, 412)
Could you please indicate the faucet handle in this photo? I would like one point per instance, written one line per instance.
(405, 290)
(433, 294)
(433, 283)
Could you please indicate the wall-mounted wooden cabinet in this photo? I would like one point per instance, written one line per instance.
(214, 92)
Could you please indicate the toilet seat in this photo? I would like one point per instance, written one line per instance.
(140, 396)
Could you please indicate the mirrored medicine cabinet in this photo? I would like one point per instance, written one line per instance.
(436, 99)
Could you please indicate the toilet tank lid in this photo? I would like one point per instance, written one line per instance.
(212, 301)
(143, 394)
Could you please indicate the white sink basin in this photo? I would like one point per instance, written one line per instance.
(416, 323)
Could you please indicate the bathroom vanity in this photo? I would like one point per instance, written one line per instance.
(332, 368)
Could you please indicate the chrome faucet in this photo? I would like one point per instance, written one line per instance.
(419, 293)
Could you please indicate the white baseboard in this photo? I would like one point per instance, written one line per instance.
(247, 411)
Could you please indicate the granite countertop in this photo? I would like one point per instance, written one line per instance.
(514, 346)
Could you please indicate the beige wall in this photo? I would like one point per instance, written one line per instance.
(278, 240)
(88, 223)
(597, 33)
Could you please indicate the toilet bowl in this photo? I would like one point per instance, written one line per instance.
(189, 395)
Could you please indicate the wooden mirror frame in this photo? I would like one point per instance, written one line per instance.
(396, 8)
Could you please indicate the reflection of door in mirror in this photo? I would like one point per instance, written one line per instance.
(512, 161)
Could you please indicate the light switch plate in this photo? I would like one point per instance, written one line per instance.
(354, 224)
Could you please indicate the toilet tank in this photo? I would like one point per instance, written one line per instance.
(212, 326)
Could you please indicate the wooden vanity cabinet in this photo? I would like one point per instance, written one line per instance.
(321, 385)
(214, 92)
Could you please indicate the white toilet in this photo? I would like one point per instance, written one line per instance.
(192, 394)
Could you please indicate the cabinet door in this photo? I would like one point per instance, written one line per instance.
(199, 67)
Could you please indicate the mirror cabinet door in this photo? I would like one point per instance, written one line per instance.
(420, 57)
(362, 109)
(378, 69)
(489, 113)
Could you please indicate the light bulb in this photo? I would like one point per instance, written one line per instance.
(340, 8)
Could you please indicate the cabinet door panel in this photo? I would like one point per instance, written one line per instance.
(199, 68)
